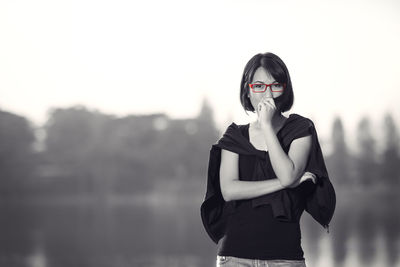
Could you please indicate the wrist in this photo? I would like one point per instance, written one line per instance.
(266, 125)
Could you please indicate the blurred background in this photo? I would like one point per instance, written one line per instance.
(108, 110)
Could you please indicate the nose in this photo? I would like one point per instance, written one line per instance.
(268, 92)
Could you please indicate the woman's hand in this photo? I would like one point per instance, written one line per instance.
(306, 176)
(266, 109)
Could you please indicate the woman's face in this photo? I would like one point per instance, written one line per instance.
(262, 76)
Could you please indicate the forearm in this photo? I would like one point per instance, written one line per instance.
(281, 163)
(238, 189)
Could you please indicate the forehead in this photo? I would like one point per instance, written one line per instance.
(261, 74)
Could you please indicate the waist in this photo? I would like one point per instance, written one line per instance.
(255, 233)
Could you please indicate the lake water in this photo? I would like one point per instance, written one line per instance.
(166, 230)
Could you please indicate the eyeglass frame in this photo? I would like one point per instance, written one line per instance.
(266, 86)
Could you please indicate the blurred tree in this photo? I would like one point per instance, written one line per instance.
(75, 149)
(135, 142)
(98, 152)
(16, 153)
(200, 143)
(390, 161)
(206, 114)
(339, 160)
(367, 167)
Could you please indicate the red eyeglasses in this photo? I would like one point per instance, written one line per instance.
(262, 87)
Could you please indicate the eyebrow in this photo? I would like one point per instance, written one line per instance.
(263, 82)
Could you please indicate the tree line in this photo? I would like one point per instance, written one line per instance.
(79, 151)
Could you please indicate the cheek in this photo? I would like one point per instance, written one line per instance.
(256, 97)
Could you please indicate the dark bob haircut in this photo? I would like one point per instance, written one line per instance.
(274, 66)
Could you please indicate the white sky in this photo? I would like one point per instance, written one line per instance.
(126, 57)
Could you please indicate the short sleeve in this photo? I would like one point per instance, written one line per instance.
(298, 127)
(301, 127)
(316, 162)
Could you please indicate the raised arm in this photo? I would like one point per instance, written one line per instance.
(234, 189)
(288, 167)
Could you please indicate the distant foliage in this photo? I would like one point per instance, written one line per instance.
(16, 154)
(366, 161)
(339, 163)
(88, 152)
(93, 152)
(390, 163)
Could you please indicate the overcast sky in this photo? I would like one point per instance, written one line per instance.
(140, 57)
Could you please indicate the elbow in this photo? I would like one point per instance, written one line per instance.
(224, 193)
(287, 181)
(226, 197)
(288, 178)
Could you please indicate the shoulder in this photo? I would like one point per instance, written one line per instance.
(301, 120)
(237, 125)
(298, 126)
(234, 127)
(228, 130)
(231, 136)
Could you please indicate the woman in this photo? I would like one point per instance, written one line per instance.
(255, 199)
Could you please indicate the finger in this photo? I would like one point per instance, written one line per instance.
(270, 105)
(271, 101)
(267, 104)
(262, 104)
(312, 178)
(309, 178)
(259, 106)
(309, 173)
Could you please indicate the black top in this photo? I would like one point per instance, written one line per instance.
(253, 232)
(287, 205)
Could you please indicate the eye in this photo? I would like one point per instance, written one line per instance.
(277, 87)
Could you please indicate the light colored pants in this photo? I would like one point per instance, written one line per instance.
(230, 261)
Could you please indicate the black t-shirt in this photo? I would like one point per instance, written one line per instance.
(253, 232)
